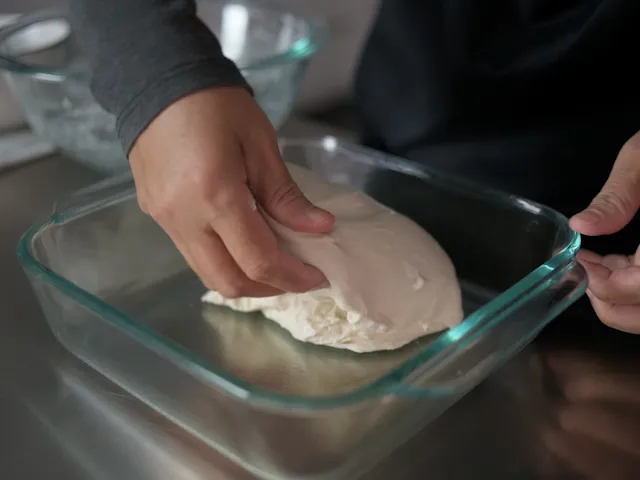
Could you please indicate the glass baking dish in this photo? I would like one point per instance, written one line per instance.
(118, 295)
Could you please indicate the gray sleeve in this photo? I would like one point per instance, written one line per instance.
(146, 54)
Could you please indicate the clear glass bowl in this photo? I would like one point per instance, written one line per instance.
(47, 72)
(117, 294)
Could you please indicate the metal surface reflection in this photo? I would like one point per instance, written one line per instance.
(596, 432)
(110, 435)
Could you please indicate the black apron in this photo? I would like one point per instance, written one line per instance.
(534, 97)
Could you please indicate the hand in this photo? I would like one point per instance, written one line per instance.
(597, 432)
(614, 280)
(207, 169)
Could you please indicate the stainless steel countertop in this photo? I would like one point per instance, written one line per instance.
(61, 420)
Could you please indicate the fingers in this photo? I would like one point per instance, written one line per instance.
(611, 210)
(612, 262)
(589, 256)
(209, 259)
(615, 293)
(253, 246)
(223, 273)
(614, 286)
(625, 318)
(278, 194)
(619, 200)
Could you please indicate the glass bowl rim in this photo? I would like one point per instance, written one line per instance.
(301, 50)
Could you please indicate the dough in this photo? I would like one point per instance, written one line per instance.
(391, 282)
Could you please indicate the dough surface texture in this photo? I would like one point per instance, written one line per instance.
(391, 282)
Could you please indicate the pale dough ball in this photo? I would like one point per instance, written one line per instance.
(391, 282)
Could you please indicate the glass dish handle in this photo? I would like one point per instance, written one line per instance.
(469, 358)
(109, 191)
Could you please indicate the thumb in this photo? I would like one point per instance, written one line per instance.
(609, 212)
(281, 198)
(285, 203)
(618, 201)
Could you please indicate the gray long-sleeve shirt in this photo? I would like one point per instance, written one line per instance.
(145, 54)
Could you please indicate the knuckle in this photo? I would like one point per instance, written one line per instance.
(220, 202)
(160, 209)
(262, 134)
(158, 204)
(285, 194)
(205, 187)
(614, 199)
(143, 203)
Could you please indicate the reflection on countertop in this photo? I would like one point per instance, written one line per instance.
(106, 434)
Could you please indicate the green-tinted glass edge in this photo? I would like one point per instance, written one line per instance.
(513, 297)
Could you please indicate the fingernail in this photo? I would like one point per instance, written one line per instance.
(321, 286)
(317, 215)
(596, 270)
(589, 216)
(588, 256)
